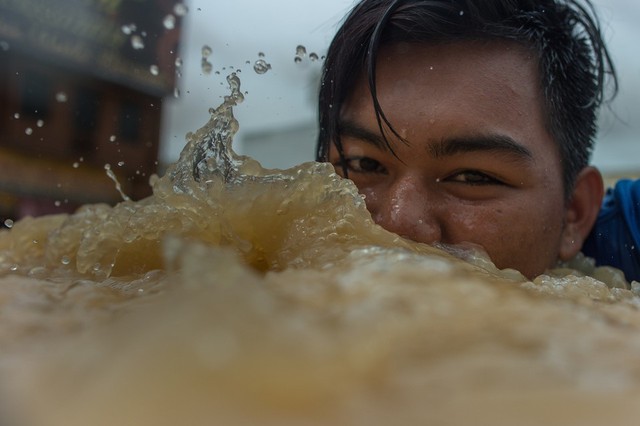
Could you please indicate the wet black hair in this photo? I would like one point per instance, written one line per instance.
(576, 71)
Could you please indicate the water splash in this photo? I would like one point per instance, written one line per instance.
(112, 176)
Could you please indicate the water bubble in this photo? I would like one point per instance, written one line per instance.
(4, 45)
(206, 66)
(313, 56)
(40, 123)
(28, 130)
(61, 97)
(180, 9)
(206, 51)
(65, 260)
(154, 70)
(137, 42)
(169, 22)
(8, 223)
(261, 66)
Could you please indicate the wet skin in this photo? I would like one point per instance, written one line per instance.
(479, 165)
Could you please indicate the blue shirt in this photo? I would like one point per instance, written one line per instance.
(615, 238)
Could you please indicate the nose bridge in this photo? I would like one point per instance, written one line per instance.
(408, 209)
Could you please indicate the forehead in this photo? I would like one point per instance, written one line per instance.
(486, 86)
(472, 72)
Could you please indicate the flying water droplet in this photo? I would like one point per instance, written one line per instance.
(61, 97)
(16, 115)
(178, 62)
(206, 66)
(261, 54)
(137, 42)
(176, 92)
(169, 22)
(261, 66)
(112, 138)
(40, 123)
(297, 59)
(76, 165)
(313, 56)
(154, 70)
(4, 45)
(206, 51)
(120, 163)
(65, 260)
(301, 51)
(28, 131)
(8, 223)
(128, 29)
(180, 9)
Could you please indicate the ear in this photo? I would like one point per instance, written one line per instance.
(581, 211)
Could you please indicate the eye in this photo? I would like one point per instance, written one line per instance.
(364, 165)
(473, 177)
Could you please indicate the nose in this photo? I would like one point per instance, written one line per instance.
(406, 207)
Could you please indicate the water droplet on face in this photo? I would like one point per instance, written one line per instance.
(313, 56)
(16, 115)
(169, 22)
(206, 51)
(61, 97)
(261, 66)
(4, 45)
(180, 9)
(40, 123)
(137, 42)
(8, 223)
(28, 130)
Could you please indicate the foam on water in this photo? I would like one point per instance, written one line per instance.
(237, 294)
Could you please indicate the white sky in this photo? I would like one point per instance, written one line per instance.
(237, 30)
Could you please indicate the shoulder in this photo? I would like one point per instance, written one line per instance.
(615, 238)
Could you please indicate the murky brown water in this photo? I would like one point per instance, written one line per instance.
(239, 295)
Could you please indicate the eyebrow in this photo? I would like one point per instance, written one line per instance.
(350, 129)
(496, 143)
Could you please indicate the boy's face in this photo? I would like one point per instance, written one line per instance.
(480, 165)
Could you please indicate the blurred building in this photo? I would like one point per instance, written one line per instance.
(81, 86)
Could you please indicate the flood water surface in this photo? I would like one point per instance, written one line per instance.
(241, 295)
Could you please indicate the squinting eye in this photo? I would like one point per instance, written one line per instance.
(473, 177)
(364, 165)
